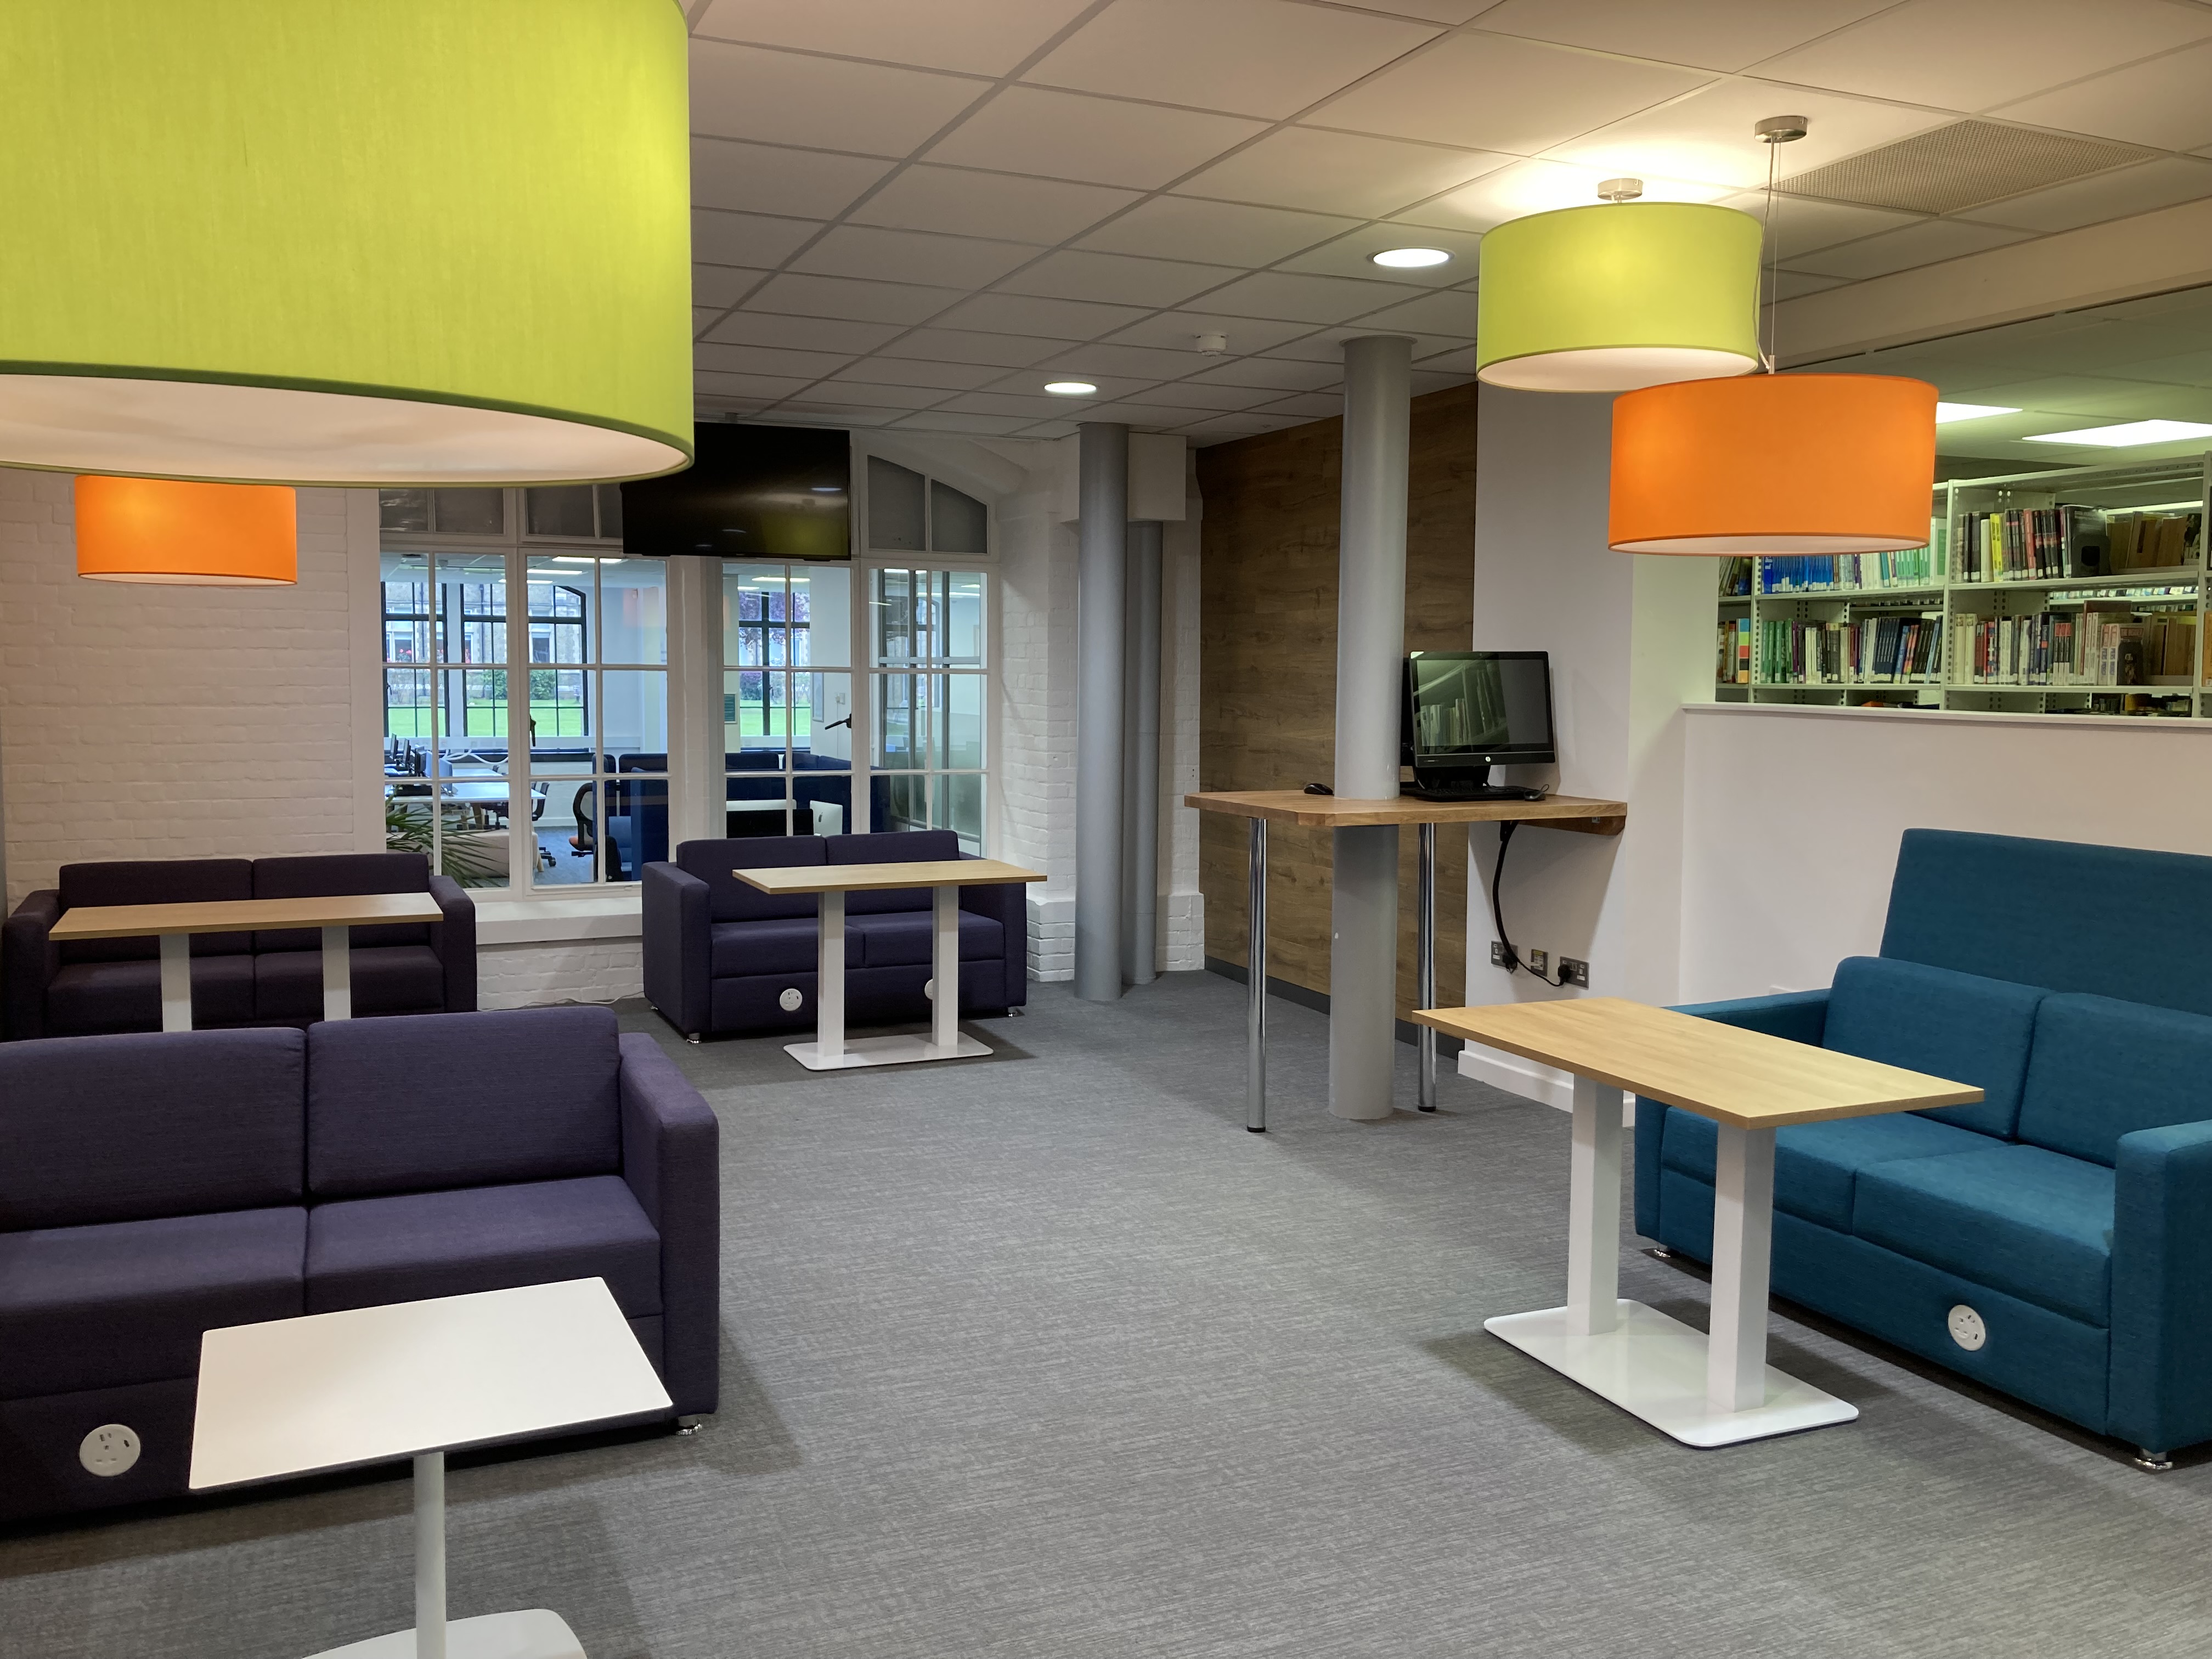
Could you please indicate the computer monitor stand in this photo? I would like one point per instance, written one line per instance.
(1464, 783)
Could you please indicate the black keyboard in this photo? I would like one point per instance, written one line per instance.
(1485, 792)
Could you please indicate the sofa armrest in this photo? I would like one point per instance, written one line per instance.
(670, 1160)
(454, 938)
(2159, 1394)
(1007, 905)
(1800, 1016)
(677, 920)
(28, 961)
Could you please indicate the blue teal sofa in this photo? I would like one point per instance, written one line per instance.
(2071, 1209)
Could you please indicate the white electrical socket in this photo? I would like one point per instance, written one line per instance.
(1539, 962)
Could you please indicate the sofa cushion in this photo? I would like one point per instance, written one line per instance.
(891, 847)
(729, 899)
(456, 1100)
(1817, 1165)
(85, 997)
(154, 881)
(387, 979)
(2102, 1069)
(361, 1252)
(778, 945)
(2018, 1218)
(335, 875)
(908, 938)
(125, 1302)
(1948, 1024)
(158, 1123)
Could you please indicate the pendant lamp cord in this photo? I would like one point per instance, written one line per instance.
(1773, 257)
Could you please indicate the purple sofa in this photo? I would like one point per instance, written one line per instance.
(154, 1186)
(267, 978)
(720, 955)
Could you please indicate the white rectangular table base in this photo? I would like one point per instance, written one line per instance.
(337, 973)
(534, 1634)
(1654, 1367)
(176, 982)
(832, 1051)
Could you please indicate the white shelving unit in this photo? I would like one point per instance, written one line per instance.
(2177, 486)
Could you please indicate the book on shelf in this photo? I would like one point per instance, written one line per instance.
(1736, 577)
(2110, 646)
(2030, 544)
(2152, 541)
(1732, 653)
(1850, 573)
(1897, 649)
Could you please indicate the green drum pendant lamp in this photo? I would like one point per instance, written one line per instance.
(346, 241)
(1616, 296)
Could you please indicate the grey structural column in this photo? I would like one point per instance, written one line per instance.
(1101, 573)
(1140, 854)
(1370, 639)
(696, 736)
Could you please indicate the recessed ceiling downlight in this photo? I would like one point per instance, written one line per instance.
(2125, 436)
(1069, 388)
(1410, 258)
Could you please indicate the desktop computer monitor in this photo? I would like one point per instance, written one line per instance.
(1468, 711)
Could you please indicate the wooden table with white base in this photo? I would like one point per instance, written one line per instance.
(1705, 1391)
(420, 1379)
(829, 1051)
(175, 924)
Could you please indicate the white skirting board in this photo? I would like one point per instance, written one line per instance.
(1530, 1081)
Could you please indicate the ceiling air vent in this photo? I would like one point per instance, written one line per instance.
(1961, 166)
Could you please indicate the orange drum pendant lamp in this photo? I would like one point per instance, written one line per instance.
(1773, 463)
(188, 535)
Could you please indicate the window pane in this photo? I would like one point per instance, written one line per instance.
(609, 498)
(902, 802)
(634, 715)
(904, 712)
(633, 610)
(559, 510)
(928, 616)
(956, 521)
(959, 807)
(472, 602)
(468, 512)
(821, 722)
(756, 606)
(407, 720)
(962, 597)
(755, 719)
(963, 720)
(822, 601)
(404, 509)
(894, 508)
(462, 837)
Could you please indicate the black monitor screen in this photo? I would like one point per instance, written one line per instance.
(753, 492)
(1480, 708)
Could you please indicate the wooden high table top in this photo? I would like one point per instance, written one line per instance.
(1590, 817)
(1745, 1078)
(243, 916)
(876, 877)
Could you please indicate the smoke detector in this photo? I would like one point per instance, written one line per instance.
(1213, 345)
(1620, 190)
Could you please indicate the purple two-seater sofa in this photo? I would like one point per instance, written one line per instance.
(271, 977)
(719, 955)
(156, 1185)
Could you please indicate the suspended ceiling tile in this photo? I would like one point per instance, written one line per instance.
(1140, 413)
(1179, 330)
(1226, 428)
(1195, 394)
(2160, 103)
(2067, 394)
(747, 238)
(1270, 375)
(1423, 379)
(1707, 137)
(877, 395)
(845, 297)
(983, 37)
(1795, 284)
(807, 412)
(1350, 256)
(717, 288)
(1023, 313)
(902, 371)
(1972, 54)
(1125, 279)
(955, 345)
(947, 420)
(801, 333)
(1459, 361)
(767, 360)
(1252, 57)
(1901, 250)
(1430, 11)
(1537, 186)
(1034, 406)
(1031, 383)
(704, 318)
(1432, 314)
(1100, 141)
(723, 407)
(2190, 368)
(1716, 34)
(751, 385)
(804, 184)
(912, 256)
(1339, 173)
(1305, 406)
(1802, 224)
(964, 202)
(1492, 91)
(1303, 299)
(824, 103)
(2117, 195)
(1148, 362)
(1225, 232)
(1327, 345)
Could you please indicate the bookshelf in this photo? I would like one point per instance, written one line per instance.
(2074, 591)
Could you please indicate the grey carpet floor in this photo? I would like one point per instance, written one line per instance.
(1043, 1355)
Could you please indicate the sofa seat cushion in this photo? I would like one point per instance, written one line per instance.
(736, 949)
(124, 1301)
(412, 1246)
(1948, 1024)
(84, 998)
(387, 979)
(2102, 1069)
(908, 940)
(2017, 1218)
(1817, 1165)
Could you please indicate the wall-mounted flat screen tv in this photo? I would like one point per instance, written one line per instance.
(753, 492)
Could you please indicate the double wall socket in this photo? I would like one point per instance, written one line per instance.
(1572, 972)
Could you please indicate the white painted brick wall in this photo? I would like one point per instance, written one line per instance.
(572, 970)
(1183, 913)
(1036, 758)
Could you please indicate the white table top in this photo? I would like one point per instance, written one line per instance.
(336, 1390)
